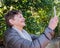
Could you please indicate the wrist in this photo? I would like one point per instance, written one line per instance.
(51, 33)
(51, 28)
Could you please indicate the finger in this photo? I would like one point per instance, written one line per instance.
(56, 17)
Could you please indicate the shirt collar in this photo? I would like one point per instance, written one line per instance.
(22, 32)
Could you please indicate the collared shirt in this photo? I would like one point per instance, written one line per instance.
(23, 34)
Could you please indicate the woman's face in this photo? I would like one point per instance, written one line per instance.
(19, 20)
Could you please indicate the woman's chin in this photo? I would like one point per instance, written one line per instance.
(24, 25)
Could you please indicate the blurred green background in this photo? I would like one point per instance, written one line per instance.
(36, 12)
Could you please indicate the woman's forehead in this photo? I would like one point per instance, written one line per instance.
(18, 15)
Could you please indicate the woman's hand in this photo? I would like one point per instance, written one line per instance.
(53, 23)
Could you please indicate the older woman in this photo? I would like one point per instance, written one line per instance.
(17, 37)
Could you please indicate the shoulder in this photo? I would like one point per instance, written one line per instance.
(9, 34)
(10, 30)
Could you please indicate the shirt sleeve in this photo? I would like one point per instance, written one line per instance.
(46, 37)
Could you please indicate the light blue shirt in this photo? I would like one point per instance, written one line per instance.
(23, 34)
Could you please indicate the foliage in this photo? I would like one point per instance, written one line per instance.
(36, 12)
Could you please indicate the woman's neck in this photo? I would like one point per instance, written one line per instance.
(19, 28)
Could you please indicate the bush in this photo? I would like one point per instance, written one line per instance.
(36, 12)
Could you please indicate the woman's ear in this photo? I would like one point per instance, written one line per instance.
(11, 21)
